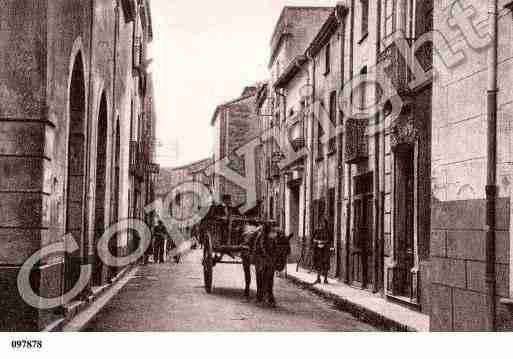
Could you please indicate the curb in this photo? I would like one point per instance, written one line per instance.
(361, 313)
(77, 308)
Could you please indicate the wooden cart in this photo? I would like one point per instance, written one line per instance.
(222, 237)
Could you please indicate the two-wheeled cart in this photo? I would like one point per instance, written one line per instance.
(222, 231)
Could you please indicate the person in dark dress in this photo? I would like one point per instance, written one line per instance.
(150, 249)
(160, 236)
(322, 252)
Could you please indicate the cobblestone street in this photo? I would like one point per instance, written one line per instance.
(171, 297)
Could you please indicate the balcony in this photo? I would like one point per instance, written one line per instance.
(296, 135)
(406, 62)
(356, 142)
(332, 146)
(397, 69)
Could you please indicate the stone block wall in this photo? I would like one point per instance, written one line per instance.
(457, 292)
(43, 40)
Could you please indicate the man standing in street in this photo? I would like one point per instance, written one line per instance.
(160, 237)
(322, 252)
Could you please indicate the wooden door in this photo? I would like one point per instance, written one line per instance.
(362, 260)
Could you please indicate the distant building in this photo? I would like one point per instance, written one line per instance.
(182, 188)
(235, 123)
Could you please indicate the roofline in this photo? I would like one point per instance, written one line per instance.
(260, 94)
(327, 30)
(227, 104)
(285, 8)
(189, 165)
(290, 71)
(276, 47)
(322, 37)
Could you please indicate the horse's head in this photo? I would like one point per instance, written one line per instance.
(281, 250)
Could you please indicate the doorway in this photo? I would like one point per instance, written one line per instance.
(113, 243)
(294, 211)
(76, 173)
(404, 233)
(101, 172)
(361, 250)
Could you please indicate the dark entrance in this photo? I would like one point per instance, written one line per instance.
(361, 252)
(101, 166)
(113, 243)
(76, 173)
(404, 234)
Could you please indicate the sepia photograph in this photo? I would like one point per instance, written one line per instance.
(316, 167)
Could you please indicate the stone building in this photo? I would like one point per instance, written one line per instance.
(287, 201)
(417, 199)
(77, 128)
(387, 153)
(471, 261)
(367, 180)
(235, 124)
(185, 185)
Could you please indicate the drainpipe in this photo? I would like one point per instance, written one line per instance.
(347, 277)
(340, 144)
(377, 196)
(313, 122)
(305, 134)
(282, 180)
(491, 178)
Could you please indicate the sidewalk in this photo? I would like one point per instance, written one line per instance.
(362, 304)
(77, 314)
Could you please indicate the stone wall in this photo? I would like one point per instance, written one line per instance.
(457, 266)
(46, 41)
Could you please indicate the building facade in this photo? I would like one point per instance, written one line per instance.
(185, 189)
(389, 121)
(364, 175)
(235, 124)
(287, 201)
(418, 211)
(75, 94)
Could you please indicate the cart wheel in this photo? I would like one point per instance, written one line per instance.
(208, 264)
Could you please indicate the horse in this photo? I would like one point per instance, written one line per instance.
(268, 250)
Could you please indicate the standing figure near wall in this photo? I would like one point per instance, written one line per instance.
(322, 252)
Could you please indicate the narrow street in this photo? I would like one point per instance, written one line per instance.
(171, 297)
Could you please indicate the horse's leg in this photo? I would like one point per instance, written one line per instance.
(270, 286)
(259, 283)
(246, 264)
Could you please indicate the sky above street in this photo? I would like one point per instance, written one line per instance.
(205, 53)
